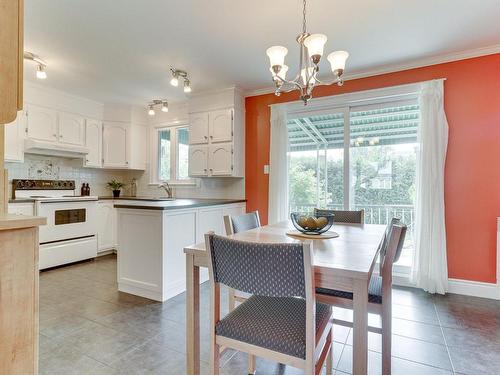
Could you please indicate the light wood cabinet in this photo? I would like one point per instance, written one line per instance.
(71, 129)
(14, 139)
(115, 145)
(106, 225)
(198, 128)
(198, 160)
(220, 159)
(41, 123)
(93, 141)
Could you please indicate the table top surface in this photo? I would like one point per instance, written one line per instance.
(353, 253)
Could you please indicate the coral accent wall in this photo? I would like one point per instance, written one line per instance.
(472, 176)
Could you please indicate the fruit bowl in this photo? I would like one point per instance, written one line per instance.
(311, 224)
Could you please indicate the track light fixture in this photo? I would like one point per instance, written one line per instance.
(41, 64)
(157, 102)
(176, 74)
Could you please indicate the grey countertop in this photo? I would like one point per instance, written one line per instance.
(151, 204)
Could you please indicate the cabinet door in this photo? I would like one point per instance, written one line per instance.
(138, 147)
(198, 128)
(198, 160)
(221, 126)
(41, 123)
(93, 141)
(71, 129)
(220, 159)
(14, 138)
(106, 225)
(115, 145)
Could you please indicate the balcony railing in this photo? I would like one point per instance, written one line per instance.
(374, 214)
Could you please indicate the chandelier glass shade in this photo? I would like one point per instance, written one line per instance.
(311, 52)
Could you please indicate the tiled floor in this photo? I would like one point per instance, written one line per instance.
(88, 327)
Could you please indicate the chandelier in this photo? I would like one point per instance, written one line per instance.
(311, 51)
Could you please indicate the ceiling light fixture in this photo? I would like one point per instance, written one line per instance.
(41, 64)
(176, 74)
(311, 51)
(157, 102)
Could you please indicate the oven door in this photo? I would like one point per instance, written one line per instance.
(67, 220)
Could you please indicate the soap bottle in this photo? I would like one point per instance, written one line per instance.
(87, 189)
(133, 187)
(82, 189)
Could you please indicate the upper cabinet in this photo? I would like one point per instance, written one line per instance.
(93, 141)
(14, 139)
(41, 123)
(198, 128)
(71, 129)
(220, 126)
(138, 147)
(115, 145)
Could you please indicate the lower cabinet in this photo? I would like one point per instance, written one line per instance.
(106, 226)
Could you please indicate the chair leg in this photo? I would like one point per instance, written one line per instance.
(329, 357)
(232, 300)
(214, 359)
(386, 339)
(251, 364)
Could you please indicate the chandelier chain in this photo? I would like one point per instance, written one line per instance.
(304, 26)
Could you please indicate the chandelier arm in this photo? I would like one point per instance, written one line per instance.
(295, 84)
(323, 83)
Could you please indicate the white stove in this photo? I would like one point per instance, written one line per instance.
(71, 231)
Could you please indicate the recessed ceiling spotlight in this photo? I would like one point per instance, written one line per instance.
(41, 64)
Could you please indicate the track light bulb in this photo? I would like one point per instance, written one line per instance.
(164, 107)
(40, 72)
(151, 111)
(174, 81)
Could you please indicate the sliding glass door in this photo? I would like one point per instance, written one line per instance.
(361, 157)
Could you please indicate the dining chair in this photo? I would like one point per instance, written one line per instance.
(343, 216)
(236, 224)
(379, 290)
(281, 321)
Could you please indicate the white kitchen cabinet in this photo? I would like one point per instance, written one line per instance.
(93, 141)
(71, 129)
(220, 128)
(106, 225)
(198, 160)
(220, 159)
(14, 139)
(25, 208)
(198, 128)
(138, 147)
(115, 144)
(41, 123)
(209, 219)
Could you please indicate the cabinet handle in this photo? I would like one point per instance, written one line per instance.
(205, 137)
(211, 136)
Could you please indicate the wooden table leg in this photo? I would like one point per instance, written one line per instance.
(193, 316)
(360, 328)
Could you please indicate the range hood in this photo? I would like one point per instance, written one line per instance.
(33, 146)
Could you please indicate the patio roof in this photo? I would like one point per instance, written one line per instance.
(384, 126)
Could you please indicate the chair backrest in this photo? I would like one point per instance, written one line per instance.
(241, 223)
(395, 243)
(382, 247)
(266, 269)
(342, 216)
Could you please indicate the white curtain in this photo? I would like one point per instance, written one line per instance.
(430, 270)
(278, 166)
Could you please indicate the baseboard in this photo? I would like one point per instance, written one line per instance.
(106, 252)
(474, 288)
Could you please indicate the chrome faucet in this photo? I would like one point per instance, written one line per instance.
(168, 189)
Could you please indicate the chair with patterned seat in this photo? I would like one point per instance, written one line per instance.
(281, 321)
(237, 224)
(379, 289)
(343, 216)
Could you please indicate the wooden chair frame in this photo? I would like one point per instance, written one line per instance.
(385, 308)
(318, 347)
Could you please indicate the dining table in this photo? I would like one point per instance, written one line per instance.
(343, 263)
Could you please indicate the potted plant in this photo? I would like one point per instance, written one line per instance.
(115, 186)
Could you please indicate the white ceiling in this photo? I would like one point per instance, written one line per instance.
(120, 50)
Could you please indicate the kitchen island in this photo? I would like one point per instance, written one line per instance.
(152, 233)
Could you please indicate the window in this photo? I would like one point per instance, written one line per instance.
(359, 157)
(172, 155)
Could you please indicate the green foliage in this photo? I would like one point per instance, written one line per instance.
(115, 185)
